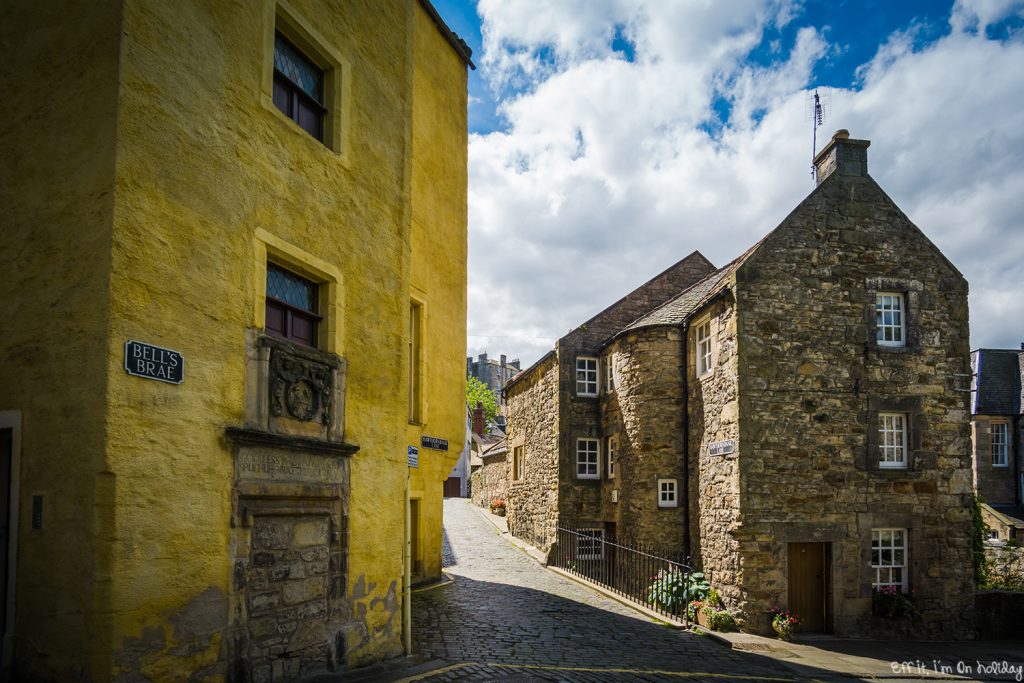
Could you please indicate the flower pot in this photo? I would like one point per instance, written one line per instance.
(783, 631)
(499, 511)
(703, 619)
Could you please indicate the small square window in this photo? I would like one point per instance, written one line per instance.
(890, 319)
(298, 87)
(667, 495)
(587, 459)
(704, 348)
(590, 544)
(611, 447)
(586, 376)
(291, 306)
(889, 558)
(1000, 444)
(892, 440)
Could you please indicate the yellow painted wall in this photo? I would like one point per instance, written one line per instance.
(438, 270)
(57, 129)
(137, 201)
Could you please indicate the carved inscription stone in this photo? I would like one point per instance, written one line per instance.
(272, 465)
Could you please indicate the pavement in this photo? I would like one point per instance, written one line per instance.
(505, 617)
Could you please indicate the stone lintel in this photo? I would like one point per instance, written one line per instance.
(255, 437)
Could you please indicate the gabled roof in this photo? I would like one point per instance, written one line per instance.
(998, 381)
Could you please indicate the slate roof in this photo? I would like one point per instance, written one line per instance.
(998, 381)
(676, 310)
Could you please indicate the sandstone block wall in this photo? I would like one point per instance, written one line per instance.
(812, 381)
(490, 481)
(533, 503)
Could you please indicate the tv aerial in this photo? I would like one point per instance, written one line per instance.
(819, 108)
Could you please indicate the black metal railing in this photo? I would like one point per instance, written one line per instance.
(659, 582)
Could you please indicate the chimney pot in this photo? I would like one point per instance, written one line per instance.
(479, 425)
(841, 134)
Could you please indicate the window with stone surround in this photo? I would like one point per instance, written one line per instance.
(587, 459)
(704, 348)
(611, 447)
(667, 493)
(518, 453)
(890, 319)
(415, 362)
(892, 440)
(586, 376)
(889, 558)
(609, 373)
(291, 306)
(298, 87)
(1000, 444)
(590, 544)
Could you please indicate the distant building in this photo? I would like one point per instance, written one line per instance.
(495, 374)
(796, 421)
(996, 433)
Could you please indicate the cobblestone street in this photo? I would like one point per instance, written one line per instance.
(506, 618)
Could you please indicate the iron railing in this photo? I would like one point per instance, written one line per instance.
(656, 581)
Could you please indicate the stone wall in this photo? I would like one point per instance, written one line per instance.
(994, 484)
(812, 381)
(533, 503)
(644, 412)
(490, 481)
(714, 490)
(998, 614)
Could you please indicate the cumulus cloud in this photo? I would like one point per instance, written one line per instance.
(613, 166)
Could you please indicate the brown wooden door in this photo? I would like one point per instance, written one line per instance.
(808, 578)
(453, 487)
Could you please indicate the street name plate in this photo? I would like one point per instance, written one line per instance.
(722, 447)
(434, 442)
(153, 362)
(414, 456)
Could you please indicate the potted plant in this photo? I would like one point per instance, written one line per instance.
(711, 614)
(498, 507)
(784, 622)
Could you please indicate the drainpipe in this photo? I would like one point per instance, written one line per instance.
(686, 439)
(407, 574)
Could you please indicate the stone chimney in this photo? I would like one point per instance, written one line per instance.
(479, 424)
(842, 155)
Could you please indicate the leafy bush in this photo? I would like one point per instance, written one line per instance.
(720, 620)
(673, 588)
(890, 602)
(1005, 569)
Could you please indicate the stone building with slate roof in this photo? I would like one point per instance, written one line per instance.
(795, 421)
(996, 431)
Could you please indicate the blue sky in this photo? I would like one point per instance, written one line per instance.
(610, 138)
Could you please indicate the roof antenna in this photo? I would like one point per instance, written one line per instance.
(819, 108)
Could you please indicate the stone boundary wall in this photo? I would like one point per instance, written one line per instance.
(997, 615)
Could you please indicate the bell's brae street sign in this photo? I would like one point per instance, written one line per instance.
(434, 443)
(152, 362)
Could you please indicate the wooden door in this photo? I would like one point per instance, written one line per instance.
(808, 580)
(453, 487)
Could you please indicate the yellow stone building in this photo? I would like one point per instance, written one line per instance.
(233, 276)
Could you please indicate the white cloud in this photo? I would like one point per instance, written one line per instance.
(607, 173)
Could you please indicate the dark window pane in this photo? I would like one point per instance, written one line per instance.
(275, 318)
(303, 329)
(298, 69)
(309, 119)
(282, 96)
(291, 289)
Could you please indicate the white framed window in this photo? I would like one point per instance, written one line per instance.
(1000, 433)
(704, 348)
(889, 558)
(586, 376)
(892, 440)
(590, 544)
(587, 459)
(518, 465)
(609, 373)
(667, 494)
(611, 452)
(890, 319)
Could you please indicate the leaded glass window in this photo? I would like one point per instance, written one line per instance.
(298, 87)
(291, 306)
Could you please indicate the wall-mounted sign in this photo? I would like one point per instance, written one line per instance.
(414, 456)
(434, 442)
(722, 447)
(153, 362)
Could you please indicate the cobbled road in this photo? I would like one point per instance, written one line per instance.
(506, 618)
